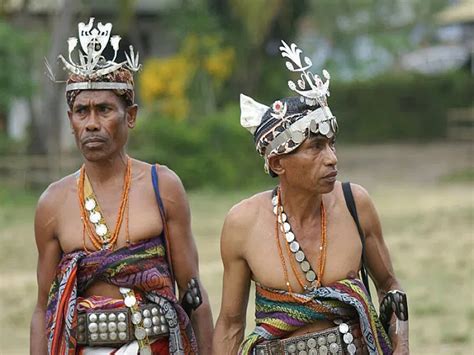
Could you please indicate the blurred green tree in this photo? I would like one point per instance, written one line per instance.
(253, 28)
(16, 67)
(361, 39)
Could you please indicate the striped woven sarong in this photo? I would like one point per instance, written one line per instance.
(278, 314)
(142, 267)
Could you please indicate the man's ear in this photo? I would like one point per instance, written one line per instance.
(276, 164)
(132, 115)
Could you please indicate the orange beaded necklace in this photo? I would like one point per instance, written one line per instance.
(90, 211)
(322, 248)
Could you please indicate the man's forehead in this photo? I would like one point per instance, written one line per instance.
(87, 97)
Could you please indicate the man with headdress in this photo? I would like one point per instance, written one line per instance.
(305, 243)
(114, 238)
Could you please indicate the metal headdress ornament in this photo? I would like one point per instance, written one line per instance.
(284, 126)
(92, 64)
(317, 91)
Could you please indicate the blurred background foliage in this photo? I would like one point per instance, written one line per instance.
(16, 63)
(399, 108)
(189, 93)
(176, 84)
(15, 47)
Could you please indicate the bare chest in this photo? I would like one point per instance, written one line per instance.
(140, 219)
(273, 260)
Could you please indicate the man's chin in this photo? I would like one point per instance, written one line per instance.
(327, 186)
(94, 155)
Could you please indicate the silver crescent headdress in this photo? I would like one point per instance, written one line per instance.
(91, 64)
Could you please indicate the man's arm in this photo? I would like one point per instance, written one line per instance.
(184, 254)
(379, 263)
(49, 253)
(230, 325)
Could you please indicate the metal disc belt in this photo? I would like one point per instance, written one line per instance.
(115, 326)
(341, 340)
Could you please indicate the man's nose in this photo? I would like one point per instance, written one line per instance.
(93, 123)
(330, 157)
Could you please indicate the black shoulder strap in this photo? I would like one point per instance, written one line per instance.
(351, 206)
(161, 207)
(154, 179)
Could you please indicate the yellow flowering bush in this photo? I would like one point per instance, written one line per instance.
(164, 81)
(168, 82)
(218, 63)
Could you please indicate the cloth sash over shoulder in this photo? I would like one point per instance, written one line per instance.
(279, 313)
(143, 266)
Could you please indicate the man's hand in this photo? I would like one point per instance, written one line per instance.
(398, 333)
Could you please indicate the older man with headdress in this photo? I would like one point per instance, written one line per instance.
(305, 242)
(114, 238)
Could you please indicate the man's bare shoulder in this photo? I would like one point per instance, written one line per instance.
(239, 224)
(141, 168)
(169, 181)
(172, 191)
(361, 196)
(245, 213)
(367, 212)
(168, 177)
(57, 191)
(49, 205)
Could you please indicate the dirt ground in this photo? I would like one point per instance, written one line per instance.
(424, 195)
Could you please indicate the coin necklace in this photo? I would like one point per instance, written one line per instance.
(294, 248)
(90, 212)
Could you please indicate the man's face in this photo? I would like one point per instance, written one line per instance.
(100, 122)
(312, 166)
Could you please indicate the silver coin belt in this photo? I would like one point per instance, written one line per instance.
(337, 340)
(120, 325)
(295, 247)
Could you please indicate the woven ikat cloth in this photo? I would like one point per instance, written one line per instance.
(142, 267)
(278, 314)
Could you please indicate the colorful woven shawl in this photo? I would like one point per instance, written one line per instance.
(278, 314)
(142, 266)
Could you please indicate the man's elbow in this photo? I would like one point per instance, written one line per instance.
(228, 336)
(202, 317)
(230, 328)
(39, 315)
(204, 309)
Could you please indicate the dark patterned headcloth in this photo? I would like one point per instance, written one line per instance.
(272, 126)
(282, 128)
(121, 75)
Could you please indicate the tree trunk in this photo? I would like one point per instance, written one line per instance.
(49, 118)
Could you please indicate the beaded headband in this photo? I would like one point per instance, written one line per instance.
(283, 127)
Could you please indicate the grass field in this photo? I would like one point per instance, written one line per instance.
(424, 195)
